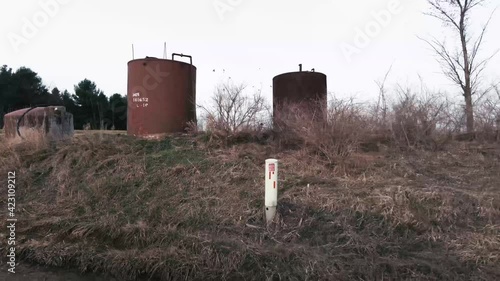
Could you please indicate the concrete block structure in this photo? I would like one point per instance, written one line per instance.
(52, 121)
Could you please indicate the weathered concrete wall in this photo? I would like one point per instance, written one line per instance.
(53, 121)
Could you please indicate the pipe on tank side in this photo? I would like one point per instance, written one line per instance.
(182, 55)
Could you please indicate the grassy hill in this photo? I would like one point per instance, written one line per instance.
(181, 208)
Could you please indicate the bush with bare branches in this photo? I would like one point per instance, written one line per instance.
(487, 112)
(333, 140)
(421, 120)
(233, 115)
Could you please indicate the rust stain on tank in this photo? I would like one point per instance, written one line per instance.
(309, 89)
(161, 97)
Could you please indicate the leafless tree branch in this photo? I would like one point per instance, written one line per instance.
(231, 110)
(461, 66)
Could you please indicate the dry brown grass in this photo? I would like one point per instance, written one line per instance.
(332, 140)
(173, 211)
(107, 132)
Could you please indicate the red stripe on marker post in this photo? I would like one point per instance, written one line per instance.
(274, 184)
(272, 168)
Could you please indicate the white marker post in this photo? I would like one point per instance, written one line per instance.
(271, 197)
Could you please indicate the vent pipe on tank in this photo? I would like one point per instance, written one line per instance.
(300, 67)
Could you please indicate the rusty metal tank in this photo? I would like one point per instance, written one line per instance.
(161, 96)
(305, 88)
(51, 121)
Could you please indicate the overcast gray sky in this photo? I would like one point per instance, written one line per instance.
(66, 41)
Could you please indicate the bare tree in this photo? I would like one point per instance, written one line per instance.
(497, 121)
(382, 99)
(461, 66)
(231, 110)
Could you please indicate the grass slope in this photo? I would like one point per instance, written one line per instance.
(170, 211)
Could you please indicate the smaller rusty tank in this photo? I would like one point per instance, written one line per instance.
(51, 121)
(306, 89)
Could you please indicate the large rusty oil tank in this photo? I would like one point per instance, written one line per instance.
(306, 89)
(161, 96)
(50, 121)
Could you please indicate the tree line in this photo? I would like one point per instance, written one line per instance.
(90, 107)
